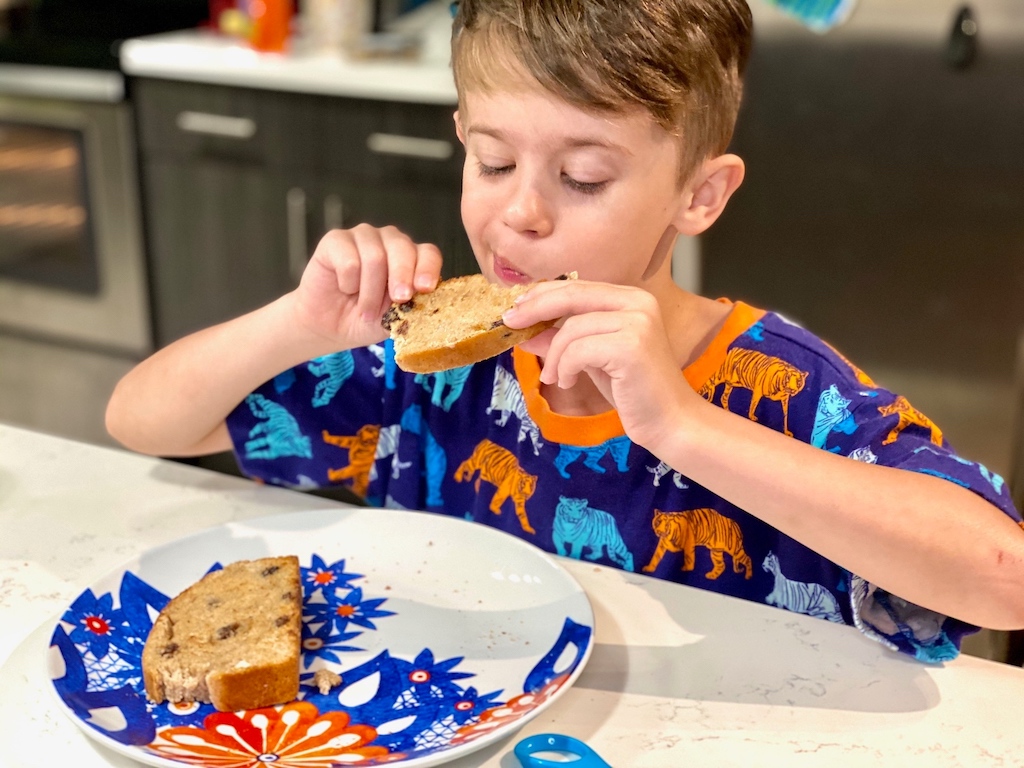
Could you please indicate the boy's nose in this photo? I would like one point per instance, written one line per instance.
(528, 212)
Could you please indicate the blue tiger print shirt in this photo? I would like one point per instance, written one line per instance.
(481, 443)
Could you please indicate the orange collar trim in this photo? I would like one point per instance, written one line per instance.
(593, 430)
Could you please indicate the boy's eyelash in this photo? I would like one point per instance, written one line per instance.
(491, 170)
(583, 187)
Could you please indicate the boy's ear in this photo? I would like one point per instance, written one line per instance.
(458, 128)
(708, 192)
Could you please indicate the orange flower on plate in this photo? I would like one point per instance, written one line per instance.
(294, 736)
(513, 709)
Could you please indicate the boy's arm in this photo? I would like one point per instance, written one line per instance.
(931, 542)
(175, 403)
(923, 538)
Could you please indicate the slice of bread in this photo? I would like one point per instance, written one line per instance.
(231, 639)
(456, 324)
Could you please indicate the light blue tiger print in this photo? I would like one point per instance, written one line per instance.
(618, 447)
(337, 368)
(434, 458)
(578, 525)
(277, 435)
(832, 416)
(800, 596)
(994, 479)
(454, 379)
(386, 355)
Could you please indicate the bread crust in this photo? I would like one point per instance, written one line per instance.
(473, 345)
(466, 351)
(195, 663)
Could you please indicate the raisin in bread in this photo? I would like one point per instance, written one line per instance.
(456, 324)
(231, 639)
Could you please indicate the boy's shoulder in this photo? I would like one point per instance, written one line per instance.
(754, 338)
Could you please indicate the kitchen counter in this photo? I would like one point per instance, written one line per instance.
(677, 675)
(208, 57)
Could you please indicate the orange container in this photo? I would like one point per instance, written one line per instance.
(271, 24)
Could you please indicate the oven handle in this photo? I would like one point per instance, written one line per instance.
(210, 124)
(298, 254)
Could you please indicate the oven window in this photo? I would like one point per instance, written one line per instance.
(45, 230)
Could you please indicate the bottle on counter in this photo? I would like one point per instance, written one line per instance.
(271, 24)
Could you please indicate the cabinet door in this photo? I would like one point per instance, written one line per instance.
(218, 242)
(428, 213)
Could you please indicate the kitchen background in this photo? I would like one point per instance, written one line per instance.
(167, 164)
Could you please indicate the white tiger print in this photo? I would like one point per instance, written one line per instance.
(507, 397)
(387, 445)
(663, 469)
(800, 596)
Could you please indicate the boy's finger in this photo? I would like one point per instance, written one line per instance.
(373, 271)
(337, 252)
(401, 262)
(573, 330)
(540, 343)
(428, 267)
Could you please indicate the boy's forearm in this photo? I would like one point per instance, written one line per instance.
(919, 537)
(175, 402)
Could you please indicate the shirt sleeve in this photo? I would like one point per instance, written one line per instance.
(316, 424)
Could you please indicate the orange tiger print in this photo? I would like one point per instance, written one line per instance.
(362, 451)
(764, 376)
(500, 468)
(685, 531)
(862, 377)
(908, 415)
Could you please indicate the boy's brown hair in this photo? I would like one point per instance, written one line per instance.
(681, 60)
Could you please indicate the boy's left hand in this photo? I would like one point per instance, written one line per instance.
(616, 335)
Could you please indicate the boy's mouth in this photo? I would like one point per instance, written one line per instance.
(507, 273)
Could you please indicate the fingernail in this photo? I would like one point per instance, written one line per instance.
(509, 314)
(402, 293)
(520, 298)
(424, 282)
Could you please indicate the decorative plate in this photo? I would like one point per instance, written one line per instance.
(447, 635)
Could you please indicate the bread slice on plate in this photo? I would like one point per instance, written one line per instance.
(231, 639)
(456, 324)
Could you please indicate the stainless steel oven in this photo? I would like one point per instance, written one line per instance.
(74, 311)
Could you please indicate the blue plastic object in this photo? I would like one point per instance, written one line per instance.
(526, 750)
(819, 15)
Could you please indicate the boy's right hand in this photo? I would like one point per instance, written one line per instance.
(353, 277)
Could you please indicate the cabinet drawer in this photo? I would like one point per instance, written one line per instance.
(360, 138)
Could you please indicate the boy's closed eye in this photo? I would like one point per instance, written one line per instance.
(584, 187)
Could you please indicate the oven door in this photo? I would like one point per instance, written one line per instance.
(71, 256)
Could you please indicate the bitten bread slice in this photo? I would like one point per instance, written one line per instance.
(231, 639)
(456, 324)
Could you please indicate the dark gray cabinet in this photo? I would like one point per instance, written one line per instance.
(885, 186)
(240, 184)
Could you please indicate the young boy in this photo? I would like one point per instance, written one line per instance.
(704, 442)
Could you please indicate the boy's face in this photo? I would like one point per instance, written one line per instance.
(549, 188)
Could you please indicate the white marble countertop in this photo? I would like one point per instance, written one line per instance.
(208, 57)
(678, 676)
